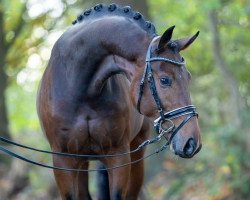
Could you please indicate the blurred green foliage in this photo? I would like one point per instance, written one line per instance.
(222, 169)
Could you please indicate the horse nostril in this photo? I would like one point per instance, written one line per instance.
(189, 148)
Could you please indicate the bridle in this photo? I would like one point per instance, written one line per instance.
(164, 117)
(158, 124)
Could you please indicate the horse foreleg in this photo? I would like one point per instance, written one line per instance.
(118, 178)
(136, 176)
(71, 185)
(102, 183)
(137, 169)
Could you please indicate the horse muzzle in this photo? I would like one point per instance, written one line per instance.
(189, 150)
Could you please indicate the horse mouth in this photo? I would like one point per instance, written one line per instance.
(182, 155)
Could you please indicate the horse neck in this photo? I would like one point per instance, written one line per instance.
(118, 47)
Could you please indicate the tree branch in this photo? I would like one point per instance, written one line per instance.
(2, 34)
(4, 129)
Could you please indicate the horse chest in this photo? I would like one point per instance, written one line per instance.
(95, 132)
(98, 125)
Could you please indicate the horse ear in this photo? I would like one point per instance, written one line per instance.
(185, 42)
(166, 37)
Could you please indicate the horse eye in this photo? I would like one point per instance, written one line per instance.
(165, 81)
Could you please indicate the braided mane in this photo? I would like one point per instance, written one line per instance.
(100, 10)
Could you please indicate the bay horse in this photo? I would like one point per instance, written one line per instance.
(93, 99)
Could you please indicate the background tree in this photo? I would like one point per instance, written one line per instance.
(22, 30)
(141, 5)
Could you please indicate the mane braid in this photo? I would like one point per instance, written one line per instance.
(100, 10)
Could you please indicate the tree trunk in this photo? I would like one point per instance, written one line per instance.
(4, 128)
(235, 106)
(141, 6)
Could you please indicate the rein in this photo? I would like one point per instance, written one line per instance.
(141, 146)
(11, 153)
(189, 110)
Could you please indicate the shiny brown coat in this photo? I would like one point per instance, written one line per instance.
(87, 96)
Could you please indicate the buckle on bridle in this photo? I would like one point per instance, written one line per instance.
(179, 112)
(162, 131)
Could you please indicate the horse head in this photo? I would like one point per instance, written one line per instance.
(165, 96)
